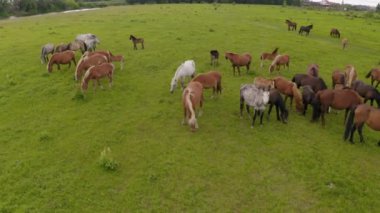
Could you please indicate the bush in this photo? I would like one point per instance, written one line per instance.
(106, 160)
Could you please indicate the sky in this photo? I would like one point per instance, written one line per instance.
(361, 2)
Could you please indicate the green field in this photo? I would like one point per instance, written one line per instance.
(51, 138)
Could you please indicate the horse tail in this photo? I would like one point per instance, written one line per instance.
(192, 120)
(87, 74)
(43, 55)
(77, 67)
(349, 123)
(298, 96)
(85, 47)
(316, 103)
(369, 74)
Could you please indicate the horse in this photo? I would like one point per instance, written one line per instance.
(105, 53)
(335, 33)
(368, 92)
(344, 43)
(119, 58)
(61, 47)
(254, 97)
(375, 76)
(338, 77)
(89, 39)
(214, 54)
(336, 99)
(305, 79)
(61, 58)
(349, 75)
(278, 61)
(313, 70)
(307, 97)
(305, 29)
(268, 56)
(212, 79)
(186, 69)
(263, 83)
(78, 45)
(96, 73)
(192, 98)
(87, 62)
(276, 99)
(290, 90)
(136, 41)
(291, 25)
(45, 51)
(239, 60)
(357, 117)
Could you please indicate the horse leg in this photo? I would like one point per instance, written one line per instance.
(101, 86)
(291, 101)
(286, 98)
(233, 68)
(241, 106)
(110, 78)
(323, 117)
(345, 115)
(377, 84)
(248, 67)
(238, 68)
(269, 110)
(249, 113)
(254, 119)
(59, 67)
(75, 63)
(304, 108)
(261, 117)
(353, 129)
(278, 113)
(360, 130)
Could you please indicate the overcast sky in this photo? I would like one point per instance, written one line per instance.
(362, 2)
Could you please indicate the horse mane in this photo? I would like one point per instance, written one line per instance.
(298, 96)
(275, 51)
(132, 37)
(275, 60)
(192, 120)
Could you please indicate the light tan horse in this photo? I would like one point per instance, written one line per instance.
(192, 98)
(212, 79)
(278, 61)
(77, 45)
(344, 43)
(263, 83)
(96, 73)
(239, 60)
(349, 75)
(290, 90)
(61, 58)
(85, 63)
(313, 70)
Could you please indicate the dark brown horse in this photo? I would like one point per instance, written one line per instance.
(268, 56)
(136, 41)
(316, 84)
(338, 77)
(212, 79)
(335, 33)
(289, 89)
(214, 54)
(291, 25)
(313, 70)
(275, 99)
(358, 116)
(375, 76)
(336, 99)
(61, 58)
(61, 47)
(368, 92)
(239, 60)
(278, 61)
(307, 97)
(192, 98)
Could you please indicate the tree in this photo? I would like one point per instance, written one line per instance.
(378, 8)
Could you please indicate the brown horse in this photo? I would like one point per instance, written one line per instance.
(291, 25)
(96, 73)
(212, 79)
(106, 53)
(349, 75)
(77, 45)
(338, 77)
(375, 76)
(305, 79)
(368, 92)
(263, 83)
(335, 33)
(268, 56)
(119, 58)
(192, 98)
(61, 58)
(313, 70)
(337, 99)
(136, 41)
(278, 61)
(358, 116)
(344, 43)
(289, 89)
(87, 62)
(239, 60)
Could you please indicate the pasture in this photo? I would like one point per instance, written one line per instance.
(51, 136)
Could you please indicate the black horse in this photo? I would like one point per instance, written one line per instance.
(214, 57)
(276, 99)
(307, 97)
(316, 84)
(305, 29)
(368, 92)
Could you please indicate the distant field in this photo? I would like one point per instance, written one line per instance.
(51, 138)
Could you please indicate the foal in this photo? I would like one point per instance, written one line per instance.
(136, 41)
(192, 98)
(214, 54)
(61, 58)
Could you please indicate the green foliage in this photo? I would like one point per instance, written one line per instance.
(378, 8)
(106, 160)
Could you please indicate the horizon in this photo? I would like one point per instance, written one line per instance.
(372, 3)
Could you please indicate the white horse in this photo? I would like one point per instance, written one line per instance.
(45, 51)
(254, 97)
(187, 68)
(89, 39)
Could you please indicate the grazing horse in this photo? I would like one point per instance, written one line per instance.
(276, 99)
(186, 69)
(268, 56)
(305, 29)
(239, 60)
(89, 39)
(338, 77)
(96, 73)
(304, 79)
(105, 53)
(87, 62)
(368, 92)
(77, 45)
(335, 33)
(313, 70)
(254, 97)
(136, 41)
(192, 98)
(290, 90)
(263, 83)
(45, 51)
(291, 25)
(344, 43)
(212, 79)
(278, 61)
(336, 99)
(349, 75)
(375, 76)
(119, 58)
(61, 58)
(61, 47)
(214, 54)
(358, 116)
(307, 97)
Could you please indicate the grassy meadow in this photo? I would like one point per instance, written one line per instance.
(51, 137)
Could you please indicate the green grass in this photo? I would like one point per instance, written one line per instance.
(51, 137)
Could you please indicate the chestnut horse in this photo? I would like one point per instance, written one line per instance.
(335, 33)
(212, 79)
(61, 58)
(268, 56)
(263, 83)
(239, 60)
(291, 25)
(313, 70)
(349, 75)
(338, 77)
(358, 116)
(136, 41)
(278, 61)
(96, 73)
(368, 92)
(106, 53)
(87, 62)
(337, 99)
(290, 90)
(375, 76)
(192, 98)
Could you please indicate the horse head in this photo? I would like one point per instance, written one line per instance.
(131, 37)
(173, 84)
